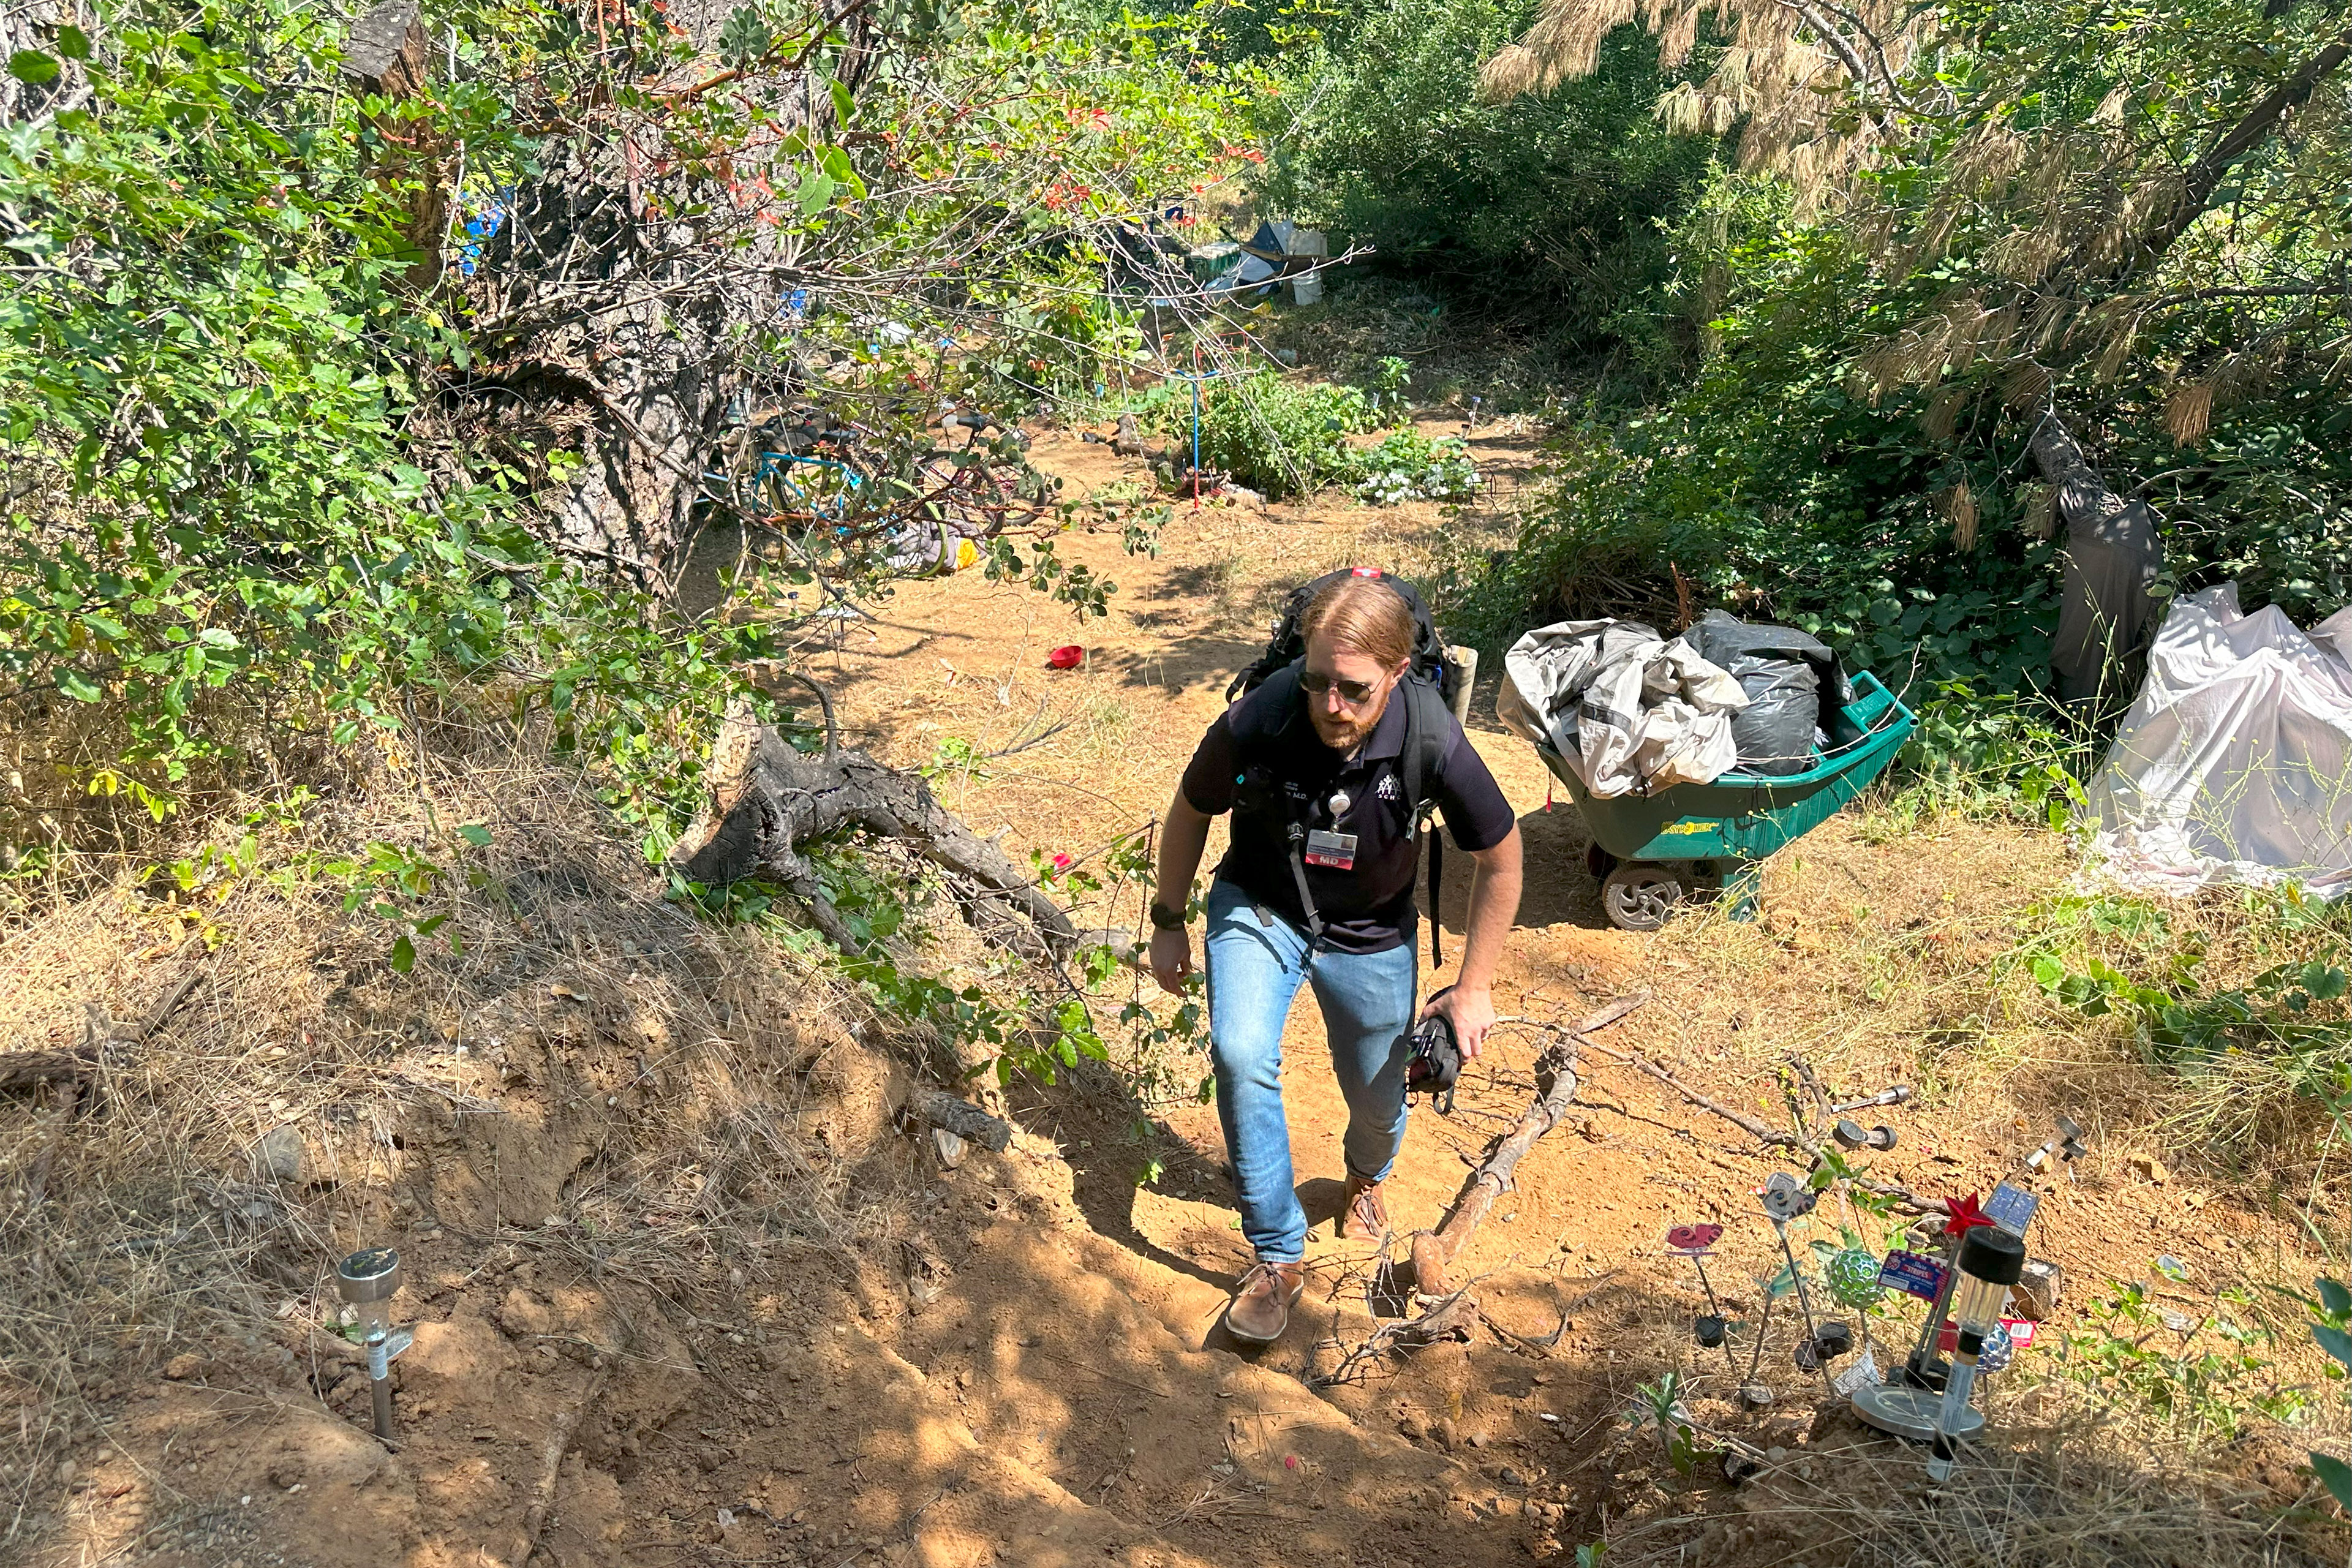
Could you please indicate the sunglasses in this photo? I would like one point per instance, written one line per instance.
(1354, 693)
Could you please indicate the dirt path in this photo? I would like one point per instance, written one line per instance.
(1869, 945)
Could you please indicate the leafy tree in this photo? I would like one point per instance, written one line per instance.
(276, 460)
(1995, 222)
(1553, 205)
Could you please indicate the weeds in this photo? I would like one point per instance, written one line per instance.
(2245, 1000)
(2201, 1376)
(1409, 466)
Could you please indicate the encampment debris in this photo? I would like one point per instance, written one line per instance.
(2232, 763)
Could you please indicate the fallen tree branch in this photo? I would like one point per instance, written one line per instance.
(1761, 1131)
(1433, 1251)
(550, 1470)
(101, 1038)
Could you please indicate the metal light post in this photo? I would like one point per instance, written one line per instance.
(367, 1282)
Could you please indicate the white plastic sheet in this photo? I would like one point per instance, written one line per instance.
(1627, 709)
(2235, 762)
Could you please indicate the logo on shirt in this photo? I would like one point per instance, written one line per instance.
(1387, 789)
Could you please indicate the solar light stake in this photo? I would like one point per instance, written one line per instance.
(367, 1282)
(1990, 1261)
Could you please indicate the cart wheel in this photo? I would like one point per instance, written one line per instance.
(1599, 861)
(1639, 897)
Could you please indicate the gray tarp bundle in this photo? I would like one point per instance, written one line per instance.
(1628, 710)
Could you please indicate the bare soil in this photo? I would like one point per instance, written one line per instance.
(683, 1295)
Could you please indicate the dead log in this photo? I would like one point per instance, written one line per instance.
(388, 54)
(102, 1041)
(1433, 1251)
(768, 798)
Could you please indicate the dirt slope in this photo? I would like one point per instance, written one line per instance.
(684, 1296)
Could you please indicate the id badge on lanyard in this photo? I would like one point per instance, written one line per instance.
(1334, 850)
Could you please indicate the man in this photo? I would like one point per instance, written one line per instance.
(1319, 745)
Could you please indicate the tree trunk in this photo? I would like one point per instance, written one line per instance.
(31, 27)
(768, 798)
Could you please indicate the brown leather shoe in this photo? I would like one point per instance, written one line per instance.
(1260, 1309)
(1364, 1216)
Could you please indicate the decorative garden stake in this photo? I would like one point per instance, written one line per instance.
(2065, 1145)
(1854, 1278)
(1990, 1261)
(1693, 1241)
(1909, 1404)
(1923, 1368)
(1785, 1198)
(1756, 1395)
(1852, 1135)
(367, 1280)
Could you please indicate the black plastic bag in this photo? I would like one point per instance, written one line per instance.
(1794, 688)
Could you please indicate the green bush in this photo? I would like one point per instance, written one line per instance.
(1286, 438)
(1280, 438)
(1555, 206)
(1409, 466)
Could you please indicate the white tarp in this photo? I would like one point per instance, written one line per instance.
(2235, 763)
(1627, 709)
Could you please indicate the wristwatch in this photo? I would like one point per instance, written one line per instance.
(1165, 919)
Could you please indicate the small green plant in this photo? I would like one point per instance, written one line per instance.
(1280, 438)
(2201, 1374)
(1662, 1407)
(394, 883)
(1409, 466)
(2334, 1332)
(954, 755)
(1019, 1032)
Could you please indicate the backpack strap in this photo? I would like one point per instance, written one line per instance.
(1274, 711)
(1425, 736)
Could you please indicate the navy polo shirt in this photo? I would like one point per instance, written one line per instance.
(1368, 909)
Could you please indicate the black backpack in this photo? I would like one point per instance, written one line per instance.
(1428, 688)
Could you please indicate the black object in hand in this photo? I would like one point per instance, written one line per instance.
(1436, 1062)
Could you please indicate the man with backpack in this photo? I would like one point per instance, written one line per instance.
(1329, 763)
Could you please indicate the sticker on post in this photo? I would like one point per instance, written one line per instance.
(2020, 1332)
(1911, 1274)
(1336, 850)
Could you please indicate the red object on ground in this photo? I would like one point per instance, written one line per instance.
(1068, 658)
(2021, 1334)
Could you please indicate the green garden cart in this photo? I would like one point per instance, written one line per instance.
(1650, 852)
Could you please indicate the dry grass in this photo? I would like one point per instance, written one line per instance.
(1923, 971)
(2057, 1493)
(598, 1073)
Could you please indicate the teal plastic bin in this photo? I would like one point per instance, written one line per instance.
(1652, 850)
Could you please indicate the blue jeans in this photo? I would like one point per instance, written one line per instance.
(1253, 971)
